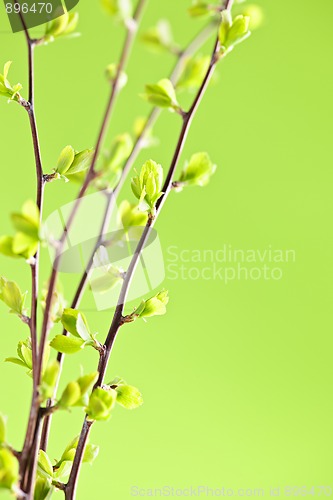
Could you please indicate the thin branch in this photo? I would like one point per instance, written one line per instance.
(117, 320)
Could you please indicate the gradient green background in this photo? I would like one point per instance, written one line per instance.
(237, 378)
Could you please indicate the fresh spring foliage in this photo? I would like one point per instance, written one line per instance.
(108, 169)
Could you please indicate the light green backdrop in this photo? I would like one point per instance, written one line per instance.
(237, 378)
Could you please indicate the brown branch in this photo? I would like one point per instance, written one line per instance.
(117, 320)
(191, 49)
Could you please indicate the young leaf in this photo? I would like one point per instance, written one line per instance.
(61, 26)
(200, 9)
(101, 403)
(194, 72)
(163, 95)
(7, 90)
(121, 9)
(232, 32)
(147, 185)
(128, 396)
(255, 13)
(9, 469)
(3, 423)
(129, 215)
(70, 396)
(65, 160)
(159, 38)
(197, 172)
(155, 306)
(50, 378)
(12, 296)
(81, 162)
(111, 72)
(67, 345)
(43, 487)
(6, 246)
(25, 242)
(44, 464)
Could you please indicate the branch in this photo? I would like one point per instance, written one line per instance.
(29, 106)
(117, 320)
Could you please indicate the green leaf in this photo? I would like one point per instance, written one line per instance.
(43, 488)
(255, 13)
(3, 424)
(111, 72)
(129, 215)
(61, 26)
(162, 94)
(9, 469)
(65, 160)
(120, 150)
(45, 464)
(200, 9)
(6, 246)
(50, 378)
(155, 306)
(86, 382)
(198, 171)
(16, 361)
(70, 396)
(232, 32)
(148, 184)
(121, 9)
(101, 403)
(12, 296)
(82, 161)
(67, 345)
(90, 454)
(128, 396)
(7, 90)
(194, 72)
(76, 323)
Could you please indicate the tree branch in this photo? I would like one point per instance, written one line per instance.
(117, 320)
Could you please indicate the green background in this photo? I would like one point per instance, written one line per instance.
(236, 378)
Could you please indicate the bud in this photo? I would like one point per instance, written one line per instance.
(155, 306)
(199, 9)
(148, 184)
(121, 9)
(70, 396)
(101, 403)
(61, 26)
(111, 74)
(232, 32)
(12, 296)
(159, 38)
(194, 72)
(255, 13)
(128, 396)
(9, 469)
(129, 215)
(7, 90)
(27, 224)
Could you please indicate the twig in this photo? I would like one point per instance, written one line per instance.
(117, 320)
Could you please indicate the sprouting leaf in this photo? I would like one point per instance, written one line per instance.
(24, 359)
(65, 160)
(82, 162)
(70, 396)
(63, 467)
(43, 487)
(61, 26)
(67, 345)
(200, 9)
(44, 464)
(155, 306)
(50, 378)
(7, 90)
(58, 302)
(129, 215)
(163, 95)
(128, 396)
(9, 469)
(101, 403)
(112, 75)
(255, 13)
(160, 38)
(12, 296)
(147, 185)
(232, 31)
(120, 150)
(6, 246)
(25, 242)
(121, 9)
(3, 424)
(197, 172)
(194, 72)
